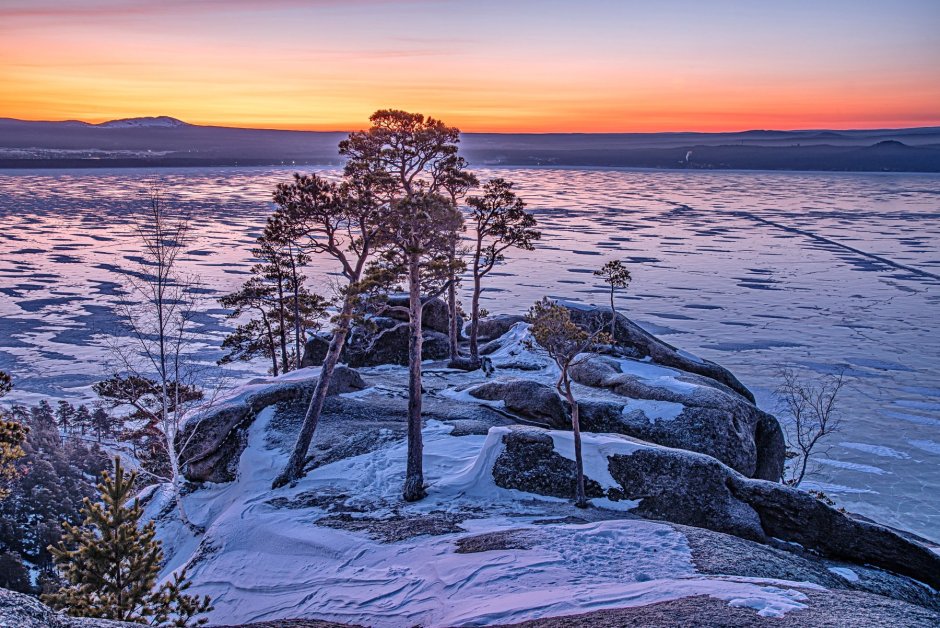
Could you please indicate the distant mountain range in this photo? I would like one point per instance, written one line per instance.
(166, 141)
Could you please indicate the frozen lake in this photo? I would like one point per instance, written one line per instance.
(753, 270)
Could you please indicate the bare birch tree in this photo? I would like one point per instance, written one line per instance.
(812, 407)
(160, 378)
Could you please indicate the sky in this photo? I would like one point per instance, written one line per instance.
(481, 65)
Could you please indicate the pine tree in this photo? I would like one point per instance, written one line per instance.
(53, 477)
(616, 275)
(103, 423)
(500, 222)
(12, 434)
(65, 416)
(82, 419)
(111, 564)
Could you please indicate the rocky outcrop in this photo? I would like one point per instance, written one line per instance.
(716, 553)
(435, 316)
(529, 463)
(493, 327)
(390, 346)
(717, 423)
(824, 609)
(384, 339)
(640, 344)
(211, 443)
(798, 517)
(22, 611)
(528, 398)
(315, 351)
(713, 420)
(696, 490)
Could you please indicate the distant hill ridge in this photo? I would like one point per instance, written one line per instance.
(153, 122)
(166, 141)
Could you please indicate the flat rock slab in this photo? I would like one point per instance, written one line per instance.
(825, 609)
(23, 611)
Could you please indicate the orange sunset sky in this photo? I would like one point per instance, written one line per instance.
(588, 66)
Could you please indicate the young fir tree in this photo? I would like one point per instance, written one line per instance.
(564, 341)
(103, 423)
(82, 419)
(616, 275)
(65, 416)
(111, 564)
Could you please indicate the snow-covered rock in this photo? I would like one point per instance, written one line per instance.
(22, 611)
(342, 546)
(697, 490)
(529, 398)
(498, 540)
(434, 315)
(210, 443)
(385, 341)
(641, 344)
(493, 327)
(711, 419)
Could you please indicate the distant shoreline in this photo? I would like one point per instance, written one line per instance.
(159, 143)
(28, 166)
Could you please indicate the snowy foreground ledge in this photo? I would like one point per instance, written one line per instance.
(341, 545)
(261, 561)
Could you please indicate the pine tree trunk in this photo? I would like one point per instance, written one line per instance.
(453, 332)
(414, 475)
(295, 465)
(580, 496)
(475, 318)
(282, 315)
(613, 315)
(296, 291)
(272, 346)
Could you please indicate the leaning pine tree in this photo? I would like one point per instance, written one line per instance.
(111, 565)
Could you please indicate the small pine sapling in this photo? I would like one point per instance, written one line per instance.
(615, 275)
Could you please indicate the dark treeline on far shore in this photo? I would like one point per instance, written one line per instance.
(78, 145)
